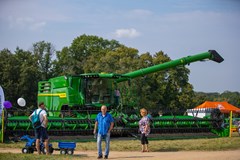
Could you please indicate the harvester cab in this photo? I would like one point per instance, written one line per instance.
(82, 92)
(100, 88)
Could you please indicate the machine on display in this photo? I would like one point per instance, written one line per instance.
(73, 102)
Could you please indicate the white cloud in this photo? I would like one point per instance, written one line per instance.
(126, 33)
(25, 23)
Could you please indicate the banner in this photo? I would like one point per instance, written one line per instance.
(2, 99)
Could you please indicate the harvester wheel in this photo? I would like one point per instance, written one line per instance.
(25, 150)
(70, 151)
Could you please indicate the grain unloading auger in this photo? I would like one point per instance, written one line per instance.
(73, 102)
(211, 54)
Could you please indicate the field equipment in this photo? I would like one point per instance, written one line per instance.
(74, 101)
(66, 147)
(63, 147)
(30, 146)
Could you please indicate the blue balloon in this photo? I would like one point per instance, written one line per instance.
(7, 104)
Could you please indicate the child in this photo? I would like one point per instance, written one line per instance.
(144, 127)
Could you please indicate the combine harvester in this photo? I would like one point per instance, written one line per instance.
(74, 101)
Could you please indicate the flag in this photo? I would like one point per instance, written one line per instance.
(2, 99)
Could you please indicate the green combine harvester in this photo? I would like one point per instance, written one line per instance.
(74, 101)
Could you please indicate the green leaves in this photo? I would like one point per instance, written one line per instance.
(167, 89)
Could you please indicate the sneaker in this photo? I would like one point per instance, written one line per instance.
(99, 157)
(105, 157)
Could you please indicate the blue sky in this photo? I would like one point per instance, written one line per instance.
(177, 27)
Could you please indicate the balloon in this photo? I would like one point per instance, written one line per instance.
(7, 104)
(21, 102)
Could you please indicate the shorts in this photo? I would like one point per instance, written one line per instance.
(144, 139)
(41, 133)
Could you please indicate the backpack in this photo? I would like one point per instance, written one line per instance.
(36, 123)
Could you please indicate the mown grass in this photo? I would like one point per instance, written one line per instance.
(18, 156)
(203, 144)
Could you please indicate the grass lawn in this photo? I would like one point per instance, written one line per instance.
(201, 144)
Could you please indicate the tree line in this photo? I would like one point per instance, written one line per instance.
(21, 70)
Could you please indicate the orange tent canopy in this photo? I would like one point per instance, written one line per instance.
(224, 107)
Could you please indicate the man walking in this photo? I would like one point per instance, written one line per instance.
(104, 123)
(41, 132)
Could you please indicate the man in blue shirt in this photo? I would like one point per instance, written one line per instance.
(104, 123)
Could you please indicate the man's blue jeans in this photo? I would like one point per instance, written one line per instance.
(99, 143)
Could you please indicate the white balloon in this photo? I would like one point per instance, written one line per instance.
(21, 102)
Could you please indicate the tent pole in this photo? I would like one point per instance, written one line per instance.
(2, 131)
(230, 124)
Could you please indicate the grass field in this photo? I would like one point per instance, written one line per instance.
(203, 144)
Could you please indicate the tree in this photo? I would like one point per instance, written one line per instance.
(28, 77)
(63, 64)
(9, 71)
(19, 77)
(121, 60)
(169, 88)
(232, 97)
(44, 51)
(86, 52)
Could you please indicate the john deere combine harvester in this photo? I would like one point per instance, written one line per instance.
(74, 101)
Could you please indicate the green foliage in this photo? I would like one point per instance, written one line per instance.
(21, 71)
(231, 97)
(167, 89)
(29, 76)
(9, 73)
(43, 52)
(86, 52)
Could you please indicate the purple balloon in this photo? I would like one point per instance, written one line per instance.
(7, 104)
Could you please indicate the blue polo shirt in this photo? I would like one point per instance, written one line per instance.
(104, 123)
